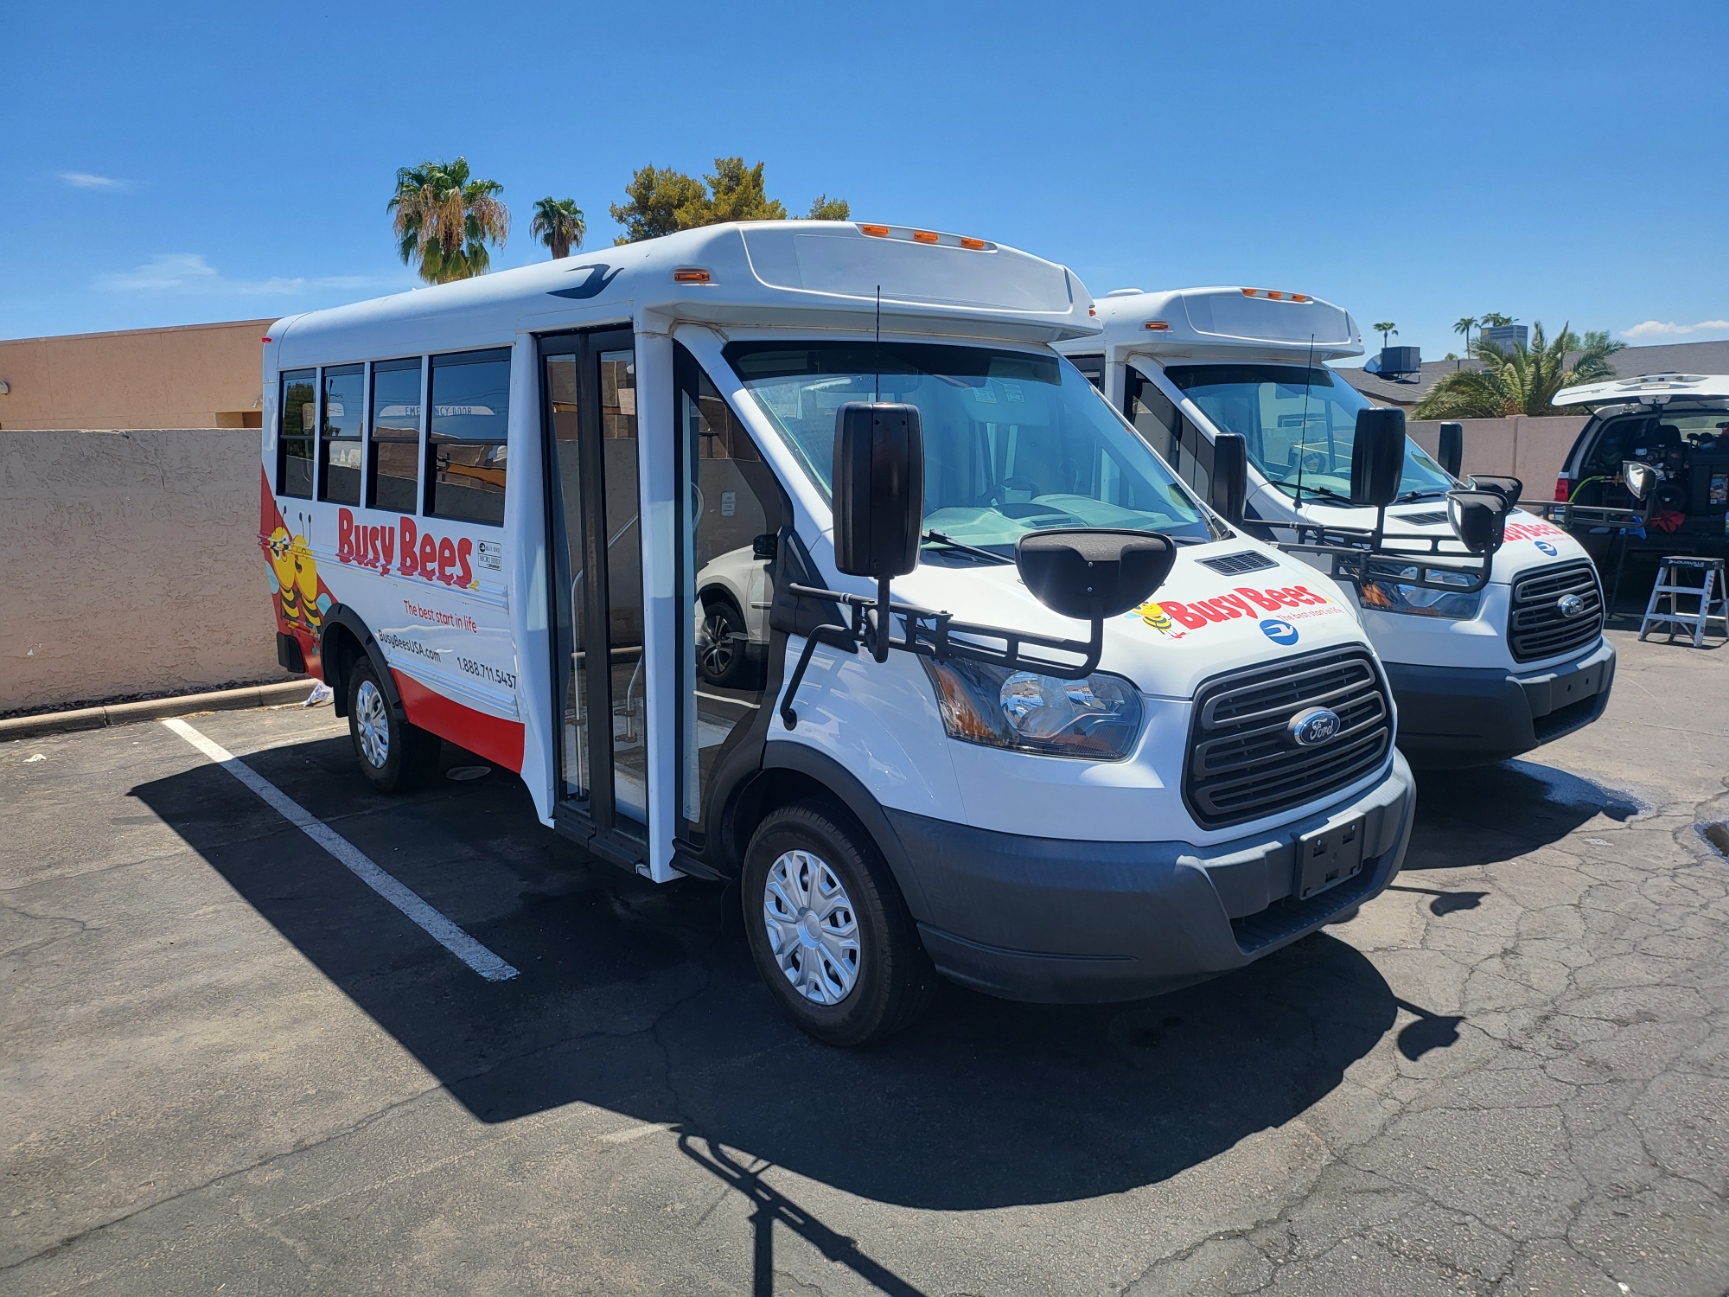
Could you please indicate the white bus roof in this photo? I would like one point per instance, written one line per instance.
(818, 274)
(1226, 322)
(1649, 389)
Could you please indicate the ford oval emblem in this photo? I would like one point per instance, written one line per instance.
(1571, 606)
(1313, 726)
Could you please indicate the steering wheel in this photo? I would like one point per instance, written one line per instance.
(1009, 484)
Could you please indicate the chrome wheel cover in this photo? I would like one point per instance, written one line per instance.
(372, 724)
(812, 928)
(715, 652)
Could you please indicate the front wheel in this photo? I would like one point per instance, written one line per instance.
(829, 930)
(393, 754)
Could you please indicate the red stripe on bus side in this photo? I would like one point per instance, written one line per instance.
(496, 739)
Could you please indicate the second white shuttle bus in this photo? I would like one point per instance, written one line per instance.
(1478, 675)
(1103, 744)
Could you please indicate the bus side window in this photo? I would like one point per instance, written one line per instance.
(394, 435)
(339, 435)
(297, 418)
(1169, 432)
(1093, 367)
(732, 513)
(467, 442)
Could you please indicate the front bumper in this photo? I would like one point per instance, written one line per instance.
(1454, 716)
(1060, 921)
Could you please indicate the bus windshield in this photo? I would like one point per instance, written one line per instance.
(1299, 423)
(1014, 441)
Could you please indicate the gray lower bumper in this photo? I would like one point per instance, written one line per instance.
(1061, 921)
(1451, 716)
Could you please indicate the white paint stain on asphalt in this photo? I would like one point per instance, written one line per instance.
(416, 910)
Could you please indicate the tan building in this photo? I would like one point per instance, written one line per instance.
(194, 376)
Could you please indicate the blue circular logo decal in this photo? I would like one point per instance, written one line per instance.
(1279, 631)
(1547, 548)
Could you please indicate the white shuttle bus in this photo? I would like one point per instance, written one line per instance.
(1480, 670)
(626, 524)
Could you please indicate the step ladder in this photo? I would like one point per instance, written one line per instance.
(1712, 592)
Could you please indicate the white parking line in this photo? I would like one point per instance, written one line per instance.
(434, 924)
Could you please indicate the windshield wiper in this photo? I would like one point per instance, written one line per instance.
(959, 547)
(1322, 493)
(1405, 497)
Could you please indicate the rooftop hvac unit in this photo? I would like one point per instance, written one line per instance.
(1395, 362)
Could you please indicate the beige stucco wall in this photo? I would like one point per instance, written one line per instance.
(129, 564)
(200, 376)
(1532, 450)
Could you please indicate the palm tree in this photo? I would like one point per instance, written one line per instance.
(1464, 325)
(445, 219)
(1520, 380)
(558, 223)
(1386, 329)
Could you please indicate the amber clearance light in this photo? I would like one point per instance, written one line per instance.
(690, 275)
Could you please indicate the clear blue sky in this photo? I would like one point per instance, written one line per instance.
(1555, 162)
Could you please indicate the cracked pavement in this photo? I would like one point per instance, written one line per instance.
(225, 1063)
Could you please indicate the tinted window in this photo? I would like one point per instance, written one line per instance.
(1093, 367)
(298, 415)
(470, 412)
(339, 435)
(395, 435)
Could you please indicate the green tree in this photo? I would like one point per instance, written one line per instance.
(660, 200)
(444, 219)
(1464, 325)
(558, 223)
(1495, 320)
(736, 194)
(1386, 329)
(1520, 380)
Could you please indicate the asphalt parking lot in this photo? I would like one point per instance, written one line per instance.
(228, 1065)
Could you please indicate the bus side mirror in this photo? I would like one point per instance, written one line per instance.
(1093, 573)
(1229, 486)
(1451, 451)
(1377, 457)
(1641, 479)
(1508, 488)
(879, 488)
(1479, 519)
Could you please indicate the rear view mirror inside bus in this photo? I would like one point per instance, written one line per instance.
(879, 468)
(1377, 457)
(1479, 519)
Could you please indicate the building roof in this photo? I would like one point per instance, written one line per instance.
(1673, 357)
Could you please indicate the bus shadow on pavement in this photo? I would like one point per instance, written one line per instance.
(1488, 814)
(643, 1000)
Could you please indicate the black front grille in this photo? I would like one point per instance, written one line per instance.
(1539, 628)
(1235, 564)
(1243, 763)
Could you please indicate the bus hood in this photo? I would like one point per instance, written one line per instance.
(1530, 541)
(1199, 623)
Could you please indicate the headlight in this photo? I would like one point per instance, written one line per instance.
(1097, 717)
(1384, 592)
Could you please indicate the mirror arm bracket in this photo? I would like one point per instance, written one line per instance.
(930, 634)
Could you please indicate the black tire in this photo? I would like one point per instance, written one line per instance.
(723, 653)
(893, 979)
(409, 754)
